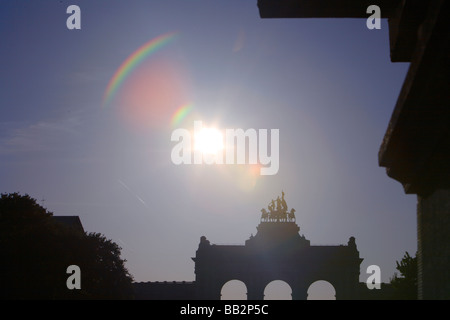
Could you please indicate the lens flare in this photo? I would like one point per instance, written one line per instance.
(209, 141)
(181, 114)
(150, 97)
(133, 61)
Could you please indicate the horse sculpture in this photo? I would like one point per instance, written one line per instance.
(278, 211)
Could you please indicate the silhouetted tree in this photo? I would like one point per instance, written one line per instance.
(36, 251)
(405, 285)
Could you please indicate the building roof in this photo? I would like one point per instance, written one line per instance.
(70, 221)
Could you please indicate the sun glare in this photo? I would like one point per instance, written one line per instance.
(209, 141)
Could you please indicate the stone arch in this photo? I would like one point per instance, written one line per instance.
(233, 290)
(276, 252)
(321, 290)
(278, 290)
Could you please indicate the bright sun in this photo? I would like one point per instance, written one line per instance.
(208, 141)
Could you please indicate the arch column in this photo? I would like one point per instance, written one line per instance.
(299, 292)
(255, 291)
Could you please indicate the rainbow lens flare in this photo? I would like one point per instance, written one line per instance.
(133, 61)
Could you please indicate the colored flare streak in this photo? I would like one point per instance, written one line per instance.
(132, 62)
(180, 114)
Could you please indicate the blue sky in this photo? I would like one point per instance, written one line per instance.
(327, 84)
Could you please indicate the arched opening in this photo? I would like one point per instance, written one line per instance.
(321, 290)
(278, 290)
(234, 290)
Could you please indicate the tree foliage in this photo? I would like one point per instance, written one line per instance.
(405, 284)
(36, 251)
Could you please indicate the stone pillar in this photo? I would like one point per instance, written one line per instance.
(433, 256)
(255, 291)
(300, 292)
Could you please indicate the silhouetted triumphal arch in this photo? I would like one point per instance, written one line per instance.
(276, 252)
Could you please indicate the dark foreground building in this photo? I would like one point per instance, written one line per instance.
(70, 221)
(276, 252)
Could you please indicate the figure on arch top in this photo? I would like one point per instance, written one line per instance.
(279, 213)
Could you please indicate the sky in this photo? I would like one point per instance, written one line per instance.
(86, 132)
